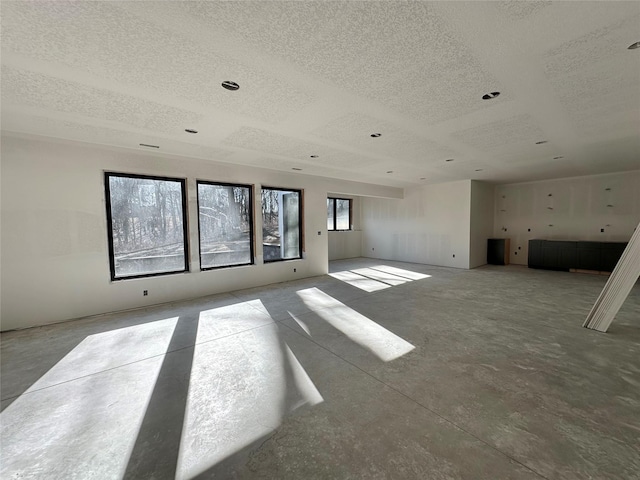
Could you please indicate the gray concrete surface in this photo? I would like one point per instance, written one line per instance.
(481, 374)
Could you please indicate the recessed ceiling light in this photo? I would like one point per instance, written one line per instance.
(150, 146)
(230, 85)
(558, 158)
(478, 169)
(190, 130)
(314, 156)
(449, 160)
(389, 171)
(489, 96)
(376, 135)
(633, 46)
(541, 142)
(297, 169)
(423, 178)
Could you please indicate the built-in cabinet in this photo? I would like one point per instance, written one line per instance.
(567, 255)
(498, 251)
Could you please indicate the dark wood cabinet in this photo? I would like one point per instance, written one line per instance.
(610, 253)
(498, 251)
(589, 255)
(567, 255)
(535, 254)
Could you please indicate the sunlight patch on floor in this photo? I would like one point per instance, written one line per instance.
(240, 390)
(95, 417)
(358, 281)
(380, 277)
(302, 324)
(105, 350)
(401, 272)
(365, 332)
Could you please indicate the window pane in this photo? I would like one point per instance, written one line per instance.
(147, 225)
(225, 225)
(330, 204)
(342, 214)
(281, 218)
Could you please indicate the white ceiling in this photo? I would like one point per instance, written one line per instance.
(317, 78)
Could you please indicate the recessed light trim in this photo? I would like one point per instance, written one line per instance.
(558, 157)
(449, 160)
(149, 146)
(296, 169)
(490, 96)
(479, 169)
(376, 135)
(314, 156)
(541, 142)
(634, 46)
(389, 171)
(190, 130)
(229, 85)
(423, 178)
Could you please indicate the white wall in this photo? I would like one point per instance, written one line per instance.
(55, 264)
(430, 225)
(577, 209)
(348, 243)
(482, 211)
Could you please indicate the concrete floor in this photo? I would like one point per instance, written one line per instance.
(427, 373)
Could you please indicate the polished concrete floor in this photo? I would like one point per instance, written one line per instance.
(382, 370)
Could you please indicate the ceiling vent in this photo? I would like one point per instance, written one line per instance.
(230, 85)
(489, 96)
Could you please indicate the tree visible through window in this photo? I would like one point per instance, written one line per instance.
(147, 227)
(338, 214)
(225, 219)
(281, 224)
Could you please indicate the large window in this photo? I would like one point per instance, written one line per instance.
(146, 218)
(281, 224)
(338, 214)
(225, 220)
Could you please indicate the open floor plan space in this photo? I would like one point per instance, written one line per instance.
(380, 369)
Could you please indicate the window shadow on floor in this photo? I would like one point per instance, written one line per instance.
(155, 452)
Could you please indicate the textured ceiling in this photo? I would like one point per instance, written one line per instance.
(318, 78)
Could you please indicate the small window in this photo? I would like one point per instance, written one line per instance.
(146, 221)
(225, 223)
(281, 224)
(338, 214)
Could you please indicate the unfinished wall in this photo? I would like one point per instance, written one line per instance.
(430, 225)
(482, 211)
(55, 264)
(568, 209)
(347, 244)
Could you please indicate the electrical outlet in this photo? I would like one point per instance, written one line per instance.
(145, 293)
(454, 255)
(319, 233)
(294, 270)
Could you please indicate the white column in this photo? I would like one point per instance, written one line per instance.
(617, 288)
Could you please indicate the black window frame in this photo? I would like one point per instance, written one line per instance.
(335, 215)
(300, 222)
(251, 223)
(185, 226)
